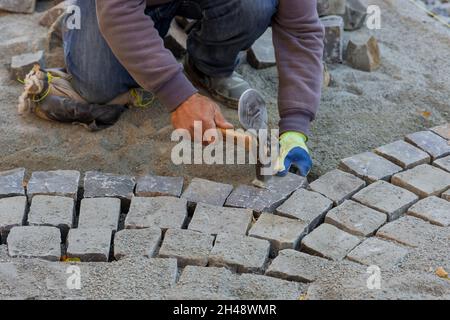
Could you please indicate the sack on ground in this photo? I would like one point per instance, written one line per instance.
(49, 95)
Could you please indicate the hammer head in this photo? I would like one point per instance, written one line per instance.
(253, 116)
(253, 111)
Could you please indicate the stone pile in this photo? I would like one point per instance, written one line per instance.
(46, 52)
(336, 15)
(339, 16)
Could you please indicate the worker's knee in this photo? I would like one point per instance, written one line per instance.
(96, 91)
(98, 79)
(239, 20)
(257, 15)
(254, 19)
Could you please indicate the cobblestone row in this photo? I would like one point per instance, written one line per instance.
(231, 242)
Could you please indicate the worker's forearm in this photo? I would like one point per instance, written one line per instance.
(137, 45)
(298, 39)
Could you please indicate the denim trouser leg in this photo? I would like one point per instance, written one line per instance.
(227, 27)
(97, 74)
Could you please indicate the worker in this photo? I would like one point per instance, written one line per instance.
(119, 46)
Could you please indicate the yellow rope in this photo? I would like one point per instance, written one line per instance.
(432, 14)
(45, 95)
(139, 102)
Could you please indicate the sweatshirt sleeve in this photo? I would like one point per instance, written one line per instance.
(135, 42)
(298, 40)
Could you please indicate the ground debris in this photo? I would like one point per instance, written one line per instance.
(441, 273)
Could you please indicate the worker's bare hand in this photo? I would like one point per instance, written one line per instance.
(202, 109)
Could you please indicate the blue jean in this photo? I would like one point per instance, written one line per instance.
(225, 28)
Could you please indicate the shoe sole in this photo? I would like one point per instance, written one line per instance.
(230, 103)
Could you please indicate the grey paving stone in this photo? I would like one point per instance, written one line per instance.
(432, 209)
(430, 142)
(278, 189)
(249, 197)
(408, 230)
(32, 279)
(370, 167)
(363, 53)
(137, 242)
(35, 242)
(155, 186)
(62, 183)
(446, 195)
(176, 40)
(443, 163)
(282, 232)
(307, 206)
(355, 14)
(374, 251)
(91, 244)
(11, 183)
(297, 266)
(329, 242)
(203, 283)
(214, 220)
(205, 191)
(52, 211)
(259, 287)
(22, 64)
(163, 212)
(423, 180)
(262, 54)
(188, 247)
(185, 23)
(403, 154)
(286, 185)
(99, 213)
(12, 214)
(52, 14)
(387, 198)
(338, 185)
(240, 253)
(334, 7)
(356, 219)
(334, 39)
(200, 283)
(23, 6)
(100, 185)
(443, 131)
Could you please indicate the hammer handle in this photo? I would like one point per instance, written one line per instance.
(238, 138)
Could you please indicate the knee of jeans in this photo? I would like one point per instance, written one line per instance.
(95, 92)
(259, 13)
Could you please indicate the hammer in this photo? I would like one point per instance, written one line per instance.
(253, 117)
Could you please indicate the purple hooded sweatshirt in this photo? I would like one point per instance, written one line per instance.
(297, 36)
